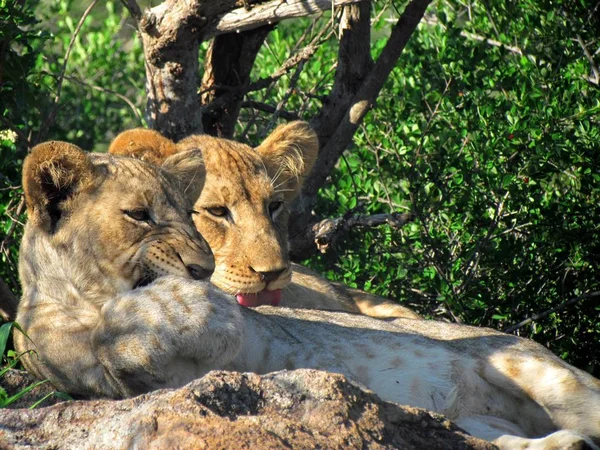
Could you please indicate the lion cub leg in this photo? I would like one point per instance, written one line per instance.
(561, 440)
(568, 396)
(507, 435)
(166, 334)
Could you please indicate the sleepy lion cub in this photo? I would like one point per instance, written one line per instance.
(110, 263)
(242, 213)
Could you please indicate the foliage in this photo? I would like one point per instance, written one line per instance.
(101, 94)
(11, 359)
(497, 153)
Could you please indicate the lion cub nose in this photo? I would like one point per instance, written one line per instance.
(271, 275)
(198, 272)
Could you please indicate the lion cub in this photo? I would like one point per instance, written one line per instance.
(110, 263)
(242, 213)
(99, 227)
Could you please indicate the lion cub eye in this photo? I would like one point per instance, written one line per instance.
(141, 215)
(217, 211)
(274, 207)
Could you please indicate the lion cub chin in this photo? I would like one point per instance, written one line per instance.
(241, 196)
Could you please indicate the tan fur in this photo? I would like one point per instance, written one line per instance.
(96, 334)
(144, 144)
(82, 248)
(245, 181)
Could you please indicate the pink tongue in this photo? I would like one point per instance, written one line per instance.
(263, 297)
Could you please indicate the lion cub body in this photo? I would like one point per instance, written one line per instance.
(94, 238)
(250, 239)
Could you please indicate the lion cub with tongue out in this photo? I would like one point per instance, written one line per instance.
(241, 197)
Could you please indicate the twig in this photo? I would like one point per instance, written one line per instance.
(52, 116)
(596, 78)
(325, 233)
(264, 107)
(560, 307)
(111, 92)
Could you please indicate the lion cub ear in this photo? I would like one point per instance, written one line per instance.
(147, 145)
(52, 173)
(187, 171)
(289, 154)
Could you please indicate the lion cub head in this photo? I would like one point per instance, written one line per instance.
(242, 210)
(107, 223)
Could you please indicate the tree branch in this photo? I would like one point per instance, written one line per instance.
(353, 66)
(228, 63)
(361, 103)
(323, 235)
(269, 13)
(560, 307)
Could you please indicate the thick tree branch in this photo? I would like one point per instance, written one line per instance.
(269, 13)
(354, 64)
(322, 235)
(228, 63)
(172, 32)
(361, 103)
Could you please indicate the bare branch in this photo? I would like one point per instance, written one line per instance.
(595, 79)
(361, 103)
(560, 307)
(323, 235)
(52, 116)
(269, 13)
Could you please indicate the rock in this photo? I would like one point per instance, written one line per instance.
(302, 409)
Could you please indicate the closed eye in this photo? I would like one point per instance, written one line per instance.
(217, 211)
(139, 215)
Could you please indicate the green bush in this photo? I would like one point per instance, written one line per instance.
(497, 153)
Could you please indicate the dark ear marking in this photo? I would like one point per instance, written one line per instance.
(52, 173)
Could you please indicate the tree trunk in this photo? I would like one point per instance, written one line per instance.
(228, 63)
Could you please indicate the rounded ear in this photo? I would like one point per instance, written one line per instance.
(52, 173)
(186, 168)
(289, 154)
(147, 145)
